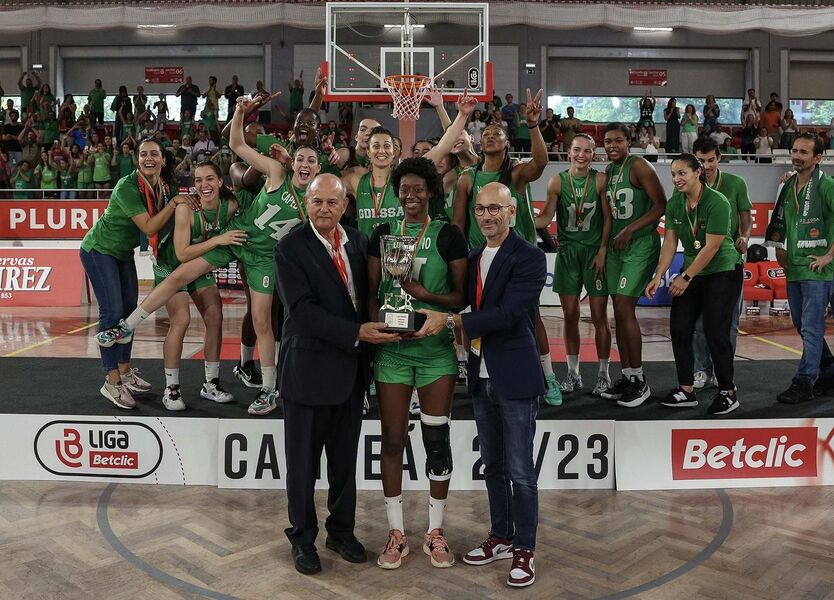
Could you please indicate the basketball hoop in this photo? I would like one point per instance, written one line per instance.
(408, 92)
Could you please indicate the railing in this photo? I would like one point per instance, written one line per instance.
(42, 194)
(778, 157)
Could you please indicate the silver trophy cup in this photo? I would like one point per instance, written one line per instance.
(397, 258)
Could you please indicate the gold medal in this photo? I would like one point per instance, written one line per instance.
(697, 245)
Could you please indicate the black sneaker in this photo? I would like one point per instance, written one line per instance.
(615, 392)
(248, 374)
(799, 391)
(680, 398)
(635, 393)
(723, 403)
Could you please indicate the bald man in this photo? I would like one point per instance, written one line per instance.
(322, 283)
(506, 277)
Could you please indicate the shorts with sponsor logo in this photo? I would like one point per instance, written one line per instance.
(259, 269)
(393, 367)
(575, 269)
(160, 272)
(629, 271)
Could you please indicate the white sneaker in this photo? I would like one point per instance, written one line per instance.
(171, 398)
(414, 409)
(700, 380)
(571, 383)
(212, 391)
(134, 383)
(118, 394)
(603, 383)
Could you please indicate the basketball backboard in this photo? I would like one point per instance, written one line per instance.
(367, 41)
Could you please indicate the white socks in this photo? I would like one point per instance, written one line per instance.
(573, 363)
(172, 377)
(394, 512)
(212, 370)
(547, 364)
(437, 510)
(247, 354)
(269, 376)
(136, 317)
(638, 373)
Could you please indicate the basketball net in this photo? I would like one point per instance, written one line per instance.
(408, 92)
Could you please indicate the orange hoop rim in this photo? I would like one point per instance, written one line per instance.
(407, 84)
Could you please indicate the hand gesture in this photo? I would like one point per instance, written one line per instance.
(818, 263)
(534, 106)
(233, 237)
(466, 104)
(435, 323)
(434, 97)
(414, 288)
(622, 239)
(320, 83)
(327, 143)
(192, 200)
(279, 153)
(374, 333)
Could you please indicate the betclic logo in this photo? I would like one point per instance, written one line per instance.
(98, 449)
(744, 453)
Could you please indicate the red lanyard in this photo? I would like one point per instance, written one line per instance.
(378, 199)
(213, 225)
(337, 258)
(479, 286)
(422, 232)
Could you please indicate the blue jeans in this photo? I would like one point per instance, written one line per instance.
(808, 301)
(505, 436)
(703, 359)
(116, 287)
(68, 195)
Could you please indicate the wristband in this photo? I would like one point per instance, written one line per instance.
(686, 277)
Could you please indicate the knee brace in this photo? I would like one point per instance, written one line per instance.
(438, 450)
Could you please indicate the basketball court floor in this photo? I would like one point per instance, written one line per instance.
(83, 540)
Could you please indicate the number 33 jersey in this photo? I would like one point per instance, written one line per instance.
(627, 201)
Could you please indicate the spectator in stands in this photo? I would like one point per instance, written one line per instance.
(76, 135)
(209, 121)
(27, 90)
(188, 94)
(672, 115)
(140, 101)
(5, 111)
(5, 170)
(177, 150)
(100, 161)
(508, 112)
(232, 92)
(49, 130)
(727, 149)
(46, 99)
(569, 127)
(224, 158)
(24, 178)
(831, 134)
(145, 124)
(346, 114)
(522, 131)
(46, 175)
(296, 95)
(204, 148)
(711, 113)
(748, 135)
(476, 127)
(492, 114)
(67, 179)
(788, 127)
(751, 106)
(764, 146)
(85, 169)
(633, 136)
(186, 124)
(770, 120)
(650, 143)
(647, 104)
(774, 99)
(553, 151)
(549, 127)
(211, 94)
(11, 133)
(186, 144)
(689, 128)
(96, 101)
(30, 148)
(128, 120)
(124, 161)
(719, 135)
(161, 107)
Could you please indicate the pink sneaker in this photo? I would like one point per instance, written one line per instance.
(491, 549)
(436, 546)
(523, 571)
(394, 551)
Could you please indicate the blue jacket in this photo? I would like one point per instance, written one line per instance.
(506, 319)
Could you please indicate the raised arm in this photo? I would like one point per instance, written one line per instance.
(185, 250)
(466, 106)
(533, 168)
(320, 87)
(463, 191)
(435, 98)
(274, 170)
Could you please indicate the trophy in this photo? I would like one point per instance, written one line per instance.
(397, 258)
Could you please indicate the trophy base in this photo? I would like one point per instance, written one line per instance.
(401, 321)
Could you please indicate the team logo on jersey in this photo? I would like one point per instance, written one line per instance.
(265, 282)
(623, 283)
(599, 285)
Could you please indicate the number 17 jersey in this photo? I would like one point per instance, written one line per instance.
(578, 214)
(627, 201)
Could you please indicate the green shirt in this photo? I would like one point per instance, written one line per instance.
(68, 179)
(627, 201)
(797, 269)
(522, 131)
(575, 226)
(96, 99)
(210, 120)
(26, 93)
(387, 210)
(101, 167)
(205, 224)
(711, 216)
(50, 131)
(115, 233)
(49, 177)
(126, 166)
(524, 224)
(21, 184)
(296, 98)
(271, 216)
(185, 128)
(244, 199)
(734, 189)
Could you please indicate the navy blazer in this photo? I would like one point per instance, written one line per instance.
(506, 320)
(319, 360)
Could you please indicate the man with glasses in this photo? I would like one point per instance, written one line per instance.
(506, 276)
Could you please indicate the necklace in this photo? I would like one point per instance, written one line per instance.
(579, 203)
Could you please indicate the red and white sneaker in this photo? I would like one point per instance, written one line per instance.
(436, 546)
(523, 571)
(491, 549)
(395, 550)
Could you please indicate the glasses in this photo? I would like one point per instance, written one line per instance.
(492, 209)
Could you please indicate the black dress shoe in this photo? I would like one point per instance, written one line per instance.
(306, 559)
(348, 548)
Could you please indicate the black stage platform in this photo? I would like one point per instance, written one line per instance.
(69, 386)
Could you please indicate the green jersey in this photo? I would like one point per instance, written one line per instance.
(26, 94)
(205, 224)
(245, 198)
(50, 131)
(21, 184)
(68, 179)
(96, 99)
(440, 244)
(710, 216)
(115, 233)
(49, 177)
(578, 217)
(101, 167)
(125, 163)
(271, 216)
(376, 206)
(734, 189)
(524, 224)
(85, 174)
(628, 202)
(797, 269)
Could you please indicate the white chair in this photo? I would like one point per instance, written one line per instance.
(781, 152)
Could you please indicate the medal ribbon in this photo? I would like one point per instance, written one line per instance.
(617, 183)
(693, 225)
(378, 198)
(580, 204)
(203, 221)
(422, 232)
(298, 209)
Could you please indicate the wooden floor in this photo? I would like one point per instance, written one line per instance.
(89, 540)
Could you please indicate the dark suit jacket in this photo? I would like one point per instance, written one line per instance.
(506, 320)
(319, 361)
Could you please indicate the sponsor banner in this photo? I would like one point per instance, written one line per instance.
(164, 74)
(48, 219)
(707, 454)
(141, 449)
(567, 455)
(44, 277)
(648, 77)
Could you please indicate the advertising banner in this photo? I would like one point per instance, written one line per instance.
(48, 219)
(40, 277)
(648, 77)
(164, 74)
